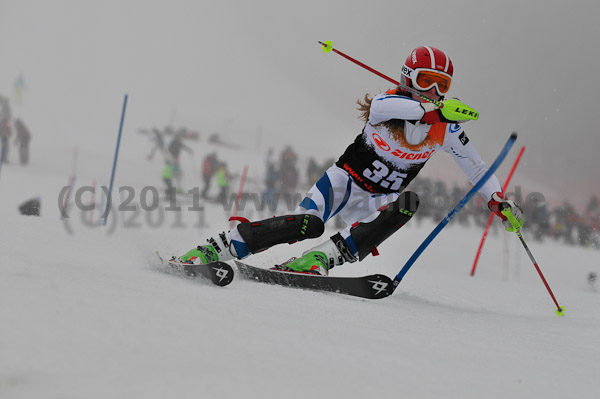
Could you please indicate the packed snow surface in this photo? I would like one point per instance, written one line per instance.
(88, 312)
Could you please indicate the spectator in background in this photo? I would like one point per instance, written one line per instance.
(457, 194)
(158, 139)
(539, 225)
(564, 222)
(223, 182)
(271, 173)
(168, 174)
(5, 108)
(593, 208)
(23, 136)
(288, 172)
(175, 147)
(440, 200)
(592, 214)
(5, 132)
(313, 172)
(210, 165)
(19, 87)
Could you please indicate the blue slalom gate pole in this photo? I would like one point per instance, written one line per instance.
(453, 212)
(112, 176)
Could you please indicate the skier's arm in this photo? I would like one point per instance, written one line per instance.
(458, 145)
(391, 106)
(504, 208)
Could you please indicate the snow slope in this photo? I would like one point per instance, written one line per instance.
(87, 313)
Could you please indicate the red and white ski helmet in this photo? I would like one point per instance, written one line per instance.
(426, 67)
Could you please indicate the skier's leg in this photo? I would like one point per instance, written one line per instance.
(363, 237)
(329, 195)
(252, 237)
(357, 241)
(323, 201)
(326, 198)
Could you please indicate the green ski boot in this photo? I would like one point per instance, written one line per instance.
(322, 258)
(201, 254)
(218, 249)
(313, 262)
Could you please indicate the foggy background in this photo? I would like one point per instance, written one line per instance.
(253, 71)
(86, 311)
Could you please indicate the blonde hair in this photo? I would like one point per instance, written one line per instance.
(364, 107)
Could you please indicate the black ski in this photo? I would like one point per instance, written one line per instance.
(374, 286)
(220, 273)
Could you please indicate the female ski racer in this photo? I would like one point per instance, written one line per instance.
(365, 186)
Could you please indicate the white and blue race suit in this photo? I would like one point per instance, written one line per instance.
(385, 157)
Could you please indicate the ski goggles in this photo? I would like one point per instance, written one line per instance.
(425, 79)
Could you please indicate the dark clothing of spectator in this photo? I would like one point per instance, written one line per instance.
(22, 139)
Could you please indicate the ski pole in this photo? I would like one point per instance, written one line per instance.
(112, 176)
(328, 46)
(560, 311)
(453, 212)
(491, 218)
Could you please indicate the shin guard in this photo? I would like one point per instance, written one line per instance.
(367, 236)
(279, 230)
